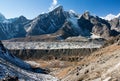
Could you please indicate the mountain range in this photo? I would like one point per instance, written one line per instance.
(91, 58)
(60, 24)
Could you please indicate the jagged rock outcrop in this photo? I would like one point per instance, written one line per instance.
(115, 24)
(101, 30)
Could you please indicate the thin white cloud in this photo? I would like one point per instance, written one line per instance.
(111, 16)
(53, 5)
(55, 2)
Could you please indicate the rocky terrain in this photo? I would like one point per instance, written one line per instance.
(13, 68)
(62, 50)
(54, 50)
(101, 65)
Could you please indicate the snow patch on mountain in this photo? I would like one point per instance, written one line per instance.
(94, 36)
(28, 29)
(72, 12)
(111, 16)
(74, 21)
(33, 63)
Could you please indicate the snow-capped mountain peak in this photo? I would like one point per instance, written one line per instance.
(111, 16)
(55, 7)
(72, 12)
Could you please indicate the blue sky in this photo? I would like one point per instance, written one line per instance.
(32, 8)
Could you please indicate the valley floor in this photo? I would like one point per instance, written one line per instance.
(102, 65)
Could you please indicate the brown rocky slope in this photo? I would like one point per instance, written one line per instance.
(102, 65)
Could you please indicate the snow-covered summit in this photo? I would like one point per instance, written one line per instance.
(111, 16)
(72, 12)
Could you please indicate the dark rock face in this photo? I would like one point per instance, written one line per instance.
(95, 25)
(61, 54)
(85, 24)
(9, 78)
(67, 30)
(115, 24)
(2, 47)
(101, 30)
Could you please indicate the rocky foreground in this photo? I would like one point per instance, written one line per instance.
(101, 65)
(14, 69)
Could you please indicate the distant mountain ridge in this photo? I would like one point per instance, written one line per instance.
(59, 23)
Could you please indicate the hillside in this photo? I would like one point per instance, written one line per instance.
(102, 65)
(12, 68)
